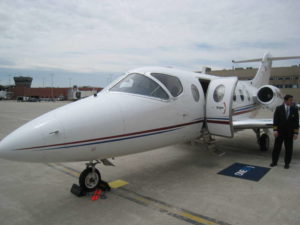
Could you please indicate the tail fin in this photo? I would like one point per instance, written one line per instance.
(264, 71)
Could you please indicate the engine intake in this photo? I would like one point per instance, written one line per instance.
(269, 96)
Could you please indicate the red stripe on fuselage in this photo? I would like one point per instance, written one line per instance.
(116, 136)
(242, 112)
(218, 121)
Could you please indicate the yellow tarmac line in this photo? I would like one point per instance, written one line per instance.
(70, 171)
(196, 218)
(176, 211)
(144, 200)
(117, 183)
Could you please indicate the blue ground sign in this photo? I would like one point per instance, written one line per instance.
(244, 171)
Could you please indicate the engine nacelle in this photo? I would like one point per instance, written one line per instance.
(269, 96)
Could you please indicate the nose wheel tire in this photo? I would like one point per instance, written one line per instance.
(89, 179)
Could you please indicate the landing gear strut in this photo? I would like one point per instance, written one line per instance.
(90, 178)
(262, 140)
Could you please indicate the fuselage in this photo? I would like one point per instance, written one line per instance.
(124, 118)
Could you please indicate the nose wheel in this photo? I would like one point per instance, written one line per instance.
(90, 178)
(90, 181)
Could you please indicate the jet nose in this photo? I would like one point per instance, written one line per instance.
(5, 149)
(23, 143)
(13, 147)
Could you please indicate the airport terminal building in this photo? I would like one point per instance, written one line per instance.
(23, 91)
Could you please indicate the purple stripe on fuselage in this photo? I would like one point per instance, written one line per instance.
(107, 141)
(113, 137)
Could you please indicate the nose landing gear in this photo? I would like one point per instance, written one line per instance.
(90, 178)
(89, 181)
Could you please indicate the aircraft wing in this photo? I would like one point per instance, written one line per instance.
(252, 123)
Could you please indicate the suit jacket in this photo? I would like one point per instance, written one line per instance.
(286, 126)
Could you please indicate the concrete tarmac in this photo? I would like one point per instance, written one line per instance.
(173, 185)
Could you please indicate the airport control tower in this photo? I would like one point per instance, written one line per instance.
(23, 81)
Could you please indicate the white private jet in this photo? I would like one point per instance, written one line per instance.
(145, 109)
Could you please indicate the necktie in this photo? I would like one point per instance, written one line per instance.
(287, 112)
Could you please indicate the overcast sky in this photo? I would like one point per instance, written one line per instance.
(90, 42)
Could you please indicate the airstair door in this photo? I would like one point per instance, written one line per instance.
(219, 106)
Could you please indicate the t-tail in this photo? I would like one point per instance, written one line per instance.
(266, 95)
(263, 74)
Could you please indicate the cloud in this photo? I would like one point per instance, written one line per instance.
(100, 36)
(6, 62)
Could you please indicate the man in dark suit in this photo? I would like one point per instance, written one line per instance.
(285, 126)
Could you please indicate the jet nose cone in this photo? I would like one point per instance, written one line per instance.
(2, 150)
(11, 147)
(23, 144)
(5, 149)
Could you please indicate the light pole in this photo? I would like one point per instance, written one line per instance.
(52, 86)
(9, 76)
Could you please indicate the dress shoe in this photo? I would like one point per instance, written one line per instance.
(286, 166)
(273, 164)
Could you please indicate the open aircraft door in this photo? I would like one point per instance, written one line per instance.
(219, 106)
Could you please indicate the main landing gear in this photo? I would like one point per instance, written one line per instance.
(89, 181)
(262, 140)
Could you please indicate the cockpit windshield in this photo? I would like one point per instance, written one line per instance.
(172, 83)
(139, 84)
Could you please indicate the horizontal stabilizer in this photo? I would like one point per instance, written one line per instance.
(264, 71)
(269, 58)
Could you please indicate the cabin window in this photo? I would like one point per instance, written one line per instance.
(172, 83)
(219, 93)
(195, 93)
(248, 95)
(139, 84)
(241, 95)
(234, 97)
